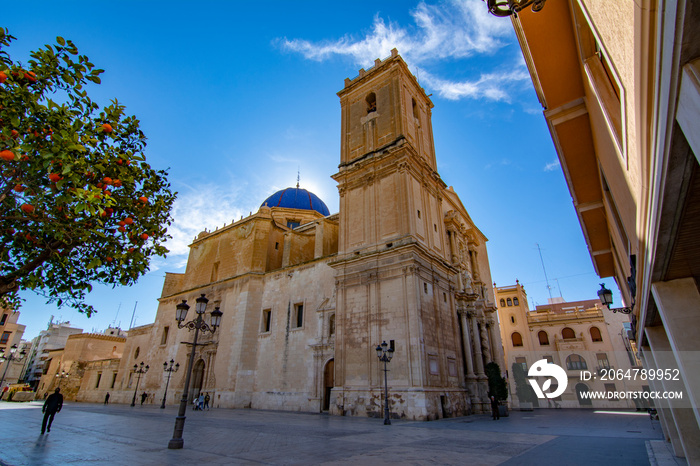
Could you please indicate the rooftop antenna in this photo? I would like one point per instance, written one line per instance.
(559, 286)
(549, 288)
(132, 315)
(298, 175)
(117, 315)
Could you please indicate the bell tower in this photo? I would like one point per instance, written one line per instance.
(395, 270)
(388, 181)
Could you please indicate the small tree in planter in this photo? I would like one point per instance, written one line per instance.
(526, 395)
(497, 386)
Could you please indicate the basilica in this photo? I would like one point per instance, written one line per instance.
(306, 296)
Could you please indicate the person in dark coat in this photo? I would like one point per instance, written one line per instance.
(144, 395)
(494, 408)
(107, 398)
(52, 405)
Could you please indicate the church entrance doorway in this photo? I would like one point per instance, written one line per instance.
(328, 383)
(197, 379)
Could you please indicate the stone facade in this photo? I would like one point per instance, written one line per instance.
(619, 83)
(54, 337)
(10, 334)
(74, 366)
(596, 341)
(306, 298)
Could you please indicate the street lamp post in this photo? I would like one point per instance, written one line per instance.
(9, 359)
(196, 325)
(169, 369)
(62, 375)
(606, 297)
(385, 356)
(140, 369)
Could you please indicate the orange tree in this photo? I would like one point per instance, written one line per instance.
(78, 202)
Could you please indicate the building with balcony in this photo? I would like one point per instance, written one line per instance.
(54, 337)
(619, 83)
(10, 335)
(579, 336)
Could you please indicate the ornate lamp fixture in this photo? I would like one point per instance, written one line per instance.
(12, 357)
(385, 356)
(606, 298)
(197, 325)
(140, 370)
(169, 369)
(503, 8)
(60, 376)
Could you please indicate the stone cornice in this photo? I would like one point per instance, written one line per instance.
(97, 336)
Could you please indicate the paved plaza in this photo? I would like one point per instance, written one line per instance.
(119, 434)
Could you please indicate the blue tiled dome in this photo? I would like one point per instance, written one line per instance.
(297, 198)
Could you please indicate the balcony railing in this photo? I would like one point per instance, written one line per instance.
(539, 317)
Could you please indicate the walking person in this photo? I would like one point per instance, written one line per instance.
(144, 395)
(107, 398)
(494, 408)
(206, 401)
(52, 405)
(200, 402)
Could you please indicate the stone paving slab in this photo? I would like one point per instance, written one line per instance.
(94, 434)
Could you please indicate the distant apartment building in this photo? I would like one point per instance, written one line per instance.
(10, 334)
(585, 339)
(54, 337)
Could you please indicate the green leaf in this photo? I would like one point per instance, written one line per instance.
(60, 40)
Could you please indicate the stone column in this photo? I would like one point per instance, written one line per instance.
(474, 262)
(477, 347)
(683, 418)
(454, 256)
(466, 340)
(485, 341)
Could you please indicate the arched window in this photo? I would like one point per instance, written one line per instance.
(516, 302)
(544, 338)
(416, 114)
(567, 333)
(371, 102)
(510, 303)
(517, 339)
(576, 363)
(503, 302)
(512, 319)
(331, 325)
(136, 353)
(595, 334)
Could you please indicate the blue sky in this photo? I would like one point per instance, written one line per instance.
(235, 97)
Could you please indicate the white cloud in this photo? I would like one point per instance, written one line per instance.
(377, 44)
(490, 86)
(448, 30)
(197, 209)
(552, 166)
